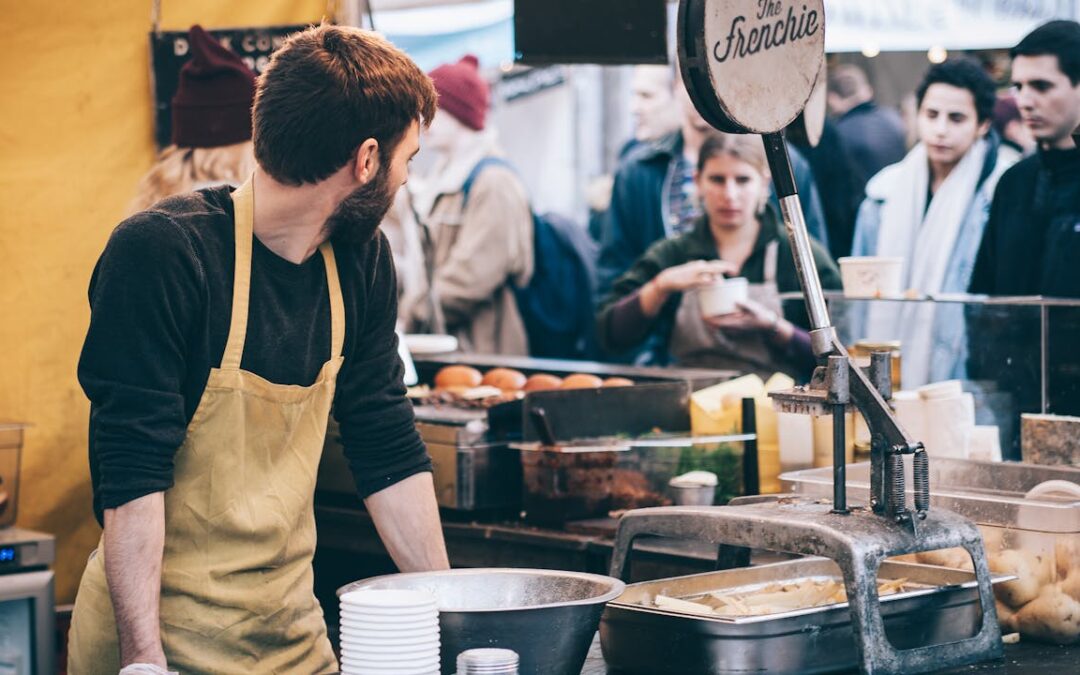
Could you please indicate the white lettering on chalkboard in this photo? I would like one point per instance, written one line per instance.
(767, 35)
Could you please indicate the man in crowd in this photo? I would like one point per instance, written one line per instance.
(874, 135)
(1031, 245)
(225, 324)
(1032, 240)
(477, 211)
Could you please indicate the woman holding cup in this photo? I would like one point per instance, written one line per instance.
(710, 297)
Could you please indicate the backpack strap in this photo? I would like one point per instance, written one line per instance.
(480, 166)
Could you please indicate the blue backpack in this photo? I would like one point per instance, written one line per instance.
(556, 305)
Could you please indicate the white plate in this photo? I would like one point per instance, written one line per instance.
(431, 344)
(371, 667)
(397, 615)
(423, 625)
(409, 631)
(391, 619)
(380, 647)
(349, 668)
(397, 653)
(387, 597)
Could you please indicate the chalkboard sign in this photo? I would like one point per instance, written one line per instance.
(169, 51)
(590, 31)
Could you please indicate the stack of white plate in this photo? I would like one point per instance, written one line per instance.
(389, 632)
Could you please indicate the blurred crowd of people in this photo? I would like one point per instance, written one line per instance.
(985, 201)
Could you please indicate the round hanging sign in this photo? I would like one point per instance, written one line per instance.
(751, 65)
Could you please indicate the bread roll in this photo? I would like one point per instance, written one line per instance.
(458, 376)
(506, 379)
(617, 382)
(542, 382)
(581, 381)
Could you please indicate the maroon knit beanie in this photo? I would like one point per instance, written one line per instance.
(212, 105)
(462, 92)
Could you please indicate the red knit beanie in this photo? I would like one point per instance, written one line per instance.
(462, 92)
(212, 105)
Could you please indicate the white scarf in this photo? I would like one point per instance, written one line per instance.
(925, 243)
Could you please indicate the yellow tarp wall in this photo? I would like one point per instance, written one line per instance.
(76, 133)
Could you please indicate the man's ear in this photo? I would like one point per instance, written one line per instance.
(367, 161)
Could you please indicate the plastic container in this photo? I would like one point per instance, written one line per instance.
(872, 276)
(11, 442)
(722, 296)
(1030, 526)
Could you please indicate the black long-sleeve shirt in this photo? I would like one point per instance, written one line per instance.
(161, 301)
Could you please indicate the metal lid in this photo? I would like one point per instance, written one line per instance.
(488, 661)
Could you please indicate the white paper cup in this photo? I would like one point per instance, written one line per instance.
(872, 276)
(722, 296)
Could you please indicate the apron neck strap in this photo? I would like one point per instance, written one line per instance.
(244, 208)
(772, 251)
(337, 303)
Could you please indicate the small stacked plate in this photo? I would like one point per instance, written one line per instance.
(389, 632)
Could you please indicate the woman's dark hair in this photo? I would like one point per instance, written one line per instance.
(1054, 38)
(963, 73)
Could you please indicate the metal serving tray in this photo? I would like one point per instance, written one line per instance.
(640, 639)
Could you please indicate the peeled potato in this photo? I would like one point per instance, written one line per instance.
(993, 539)
(956, 558)
(581, 381)
(1067, 556)
(1071, 585)
(1053, 616)
(542, 382)
(506, 379)
(458, 376)
(1032, 570)
(617, 382)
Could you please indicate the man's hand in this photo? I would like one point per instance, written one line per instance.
(406, 516)
(134, 541)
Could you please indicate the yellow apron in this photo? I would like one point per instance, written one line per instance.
(236, 583)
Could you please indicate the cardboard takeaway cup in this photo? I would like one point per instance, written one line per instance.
(722, 296)
(872, 276)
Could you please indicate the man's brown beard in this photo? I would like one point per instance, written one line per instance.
(358, 216)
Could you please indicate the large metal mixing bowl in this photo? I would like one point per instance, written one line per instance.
(548, 617)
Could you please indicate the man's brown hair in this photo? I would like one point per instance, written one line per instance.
(326, 91)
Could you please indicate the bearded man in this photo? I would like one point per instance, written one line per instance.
(225, 326)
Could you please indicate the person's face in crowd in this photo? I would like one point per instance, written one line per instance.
(948, 124)
(1049, 102)
(358, 215)
(732, 191)
(443, 133)
(652, 103)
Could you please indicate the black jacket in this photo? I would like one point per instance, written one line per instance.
(1032, 241)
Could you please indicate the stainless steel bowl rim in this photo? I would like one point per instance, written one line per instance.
(617, 587)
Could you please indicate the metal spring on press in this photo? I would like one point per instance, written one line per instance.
(920, 465)
(896, 467)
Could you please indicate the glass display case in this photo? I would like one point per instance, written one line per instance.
(1013, 354)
